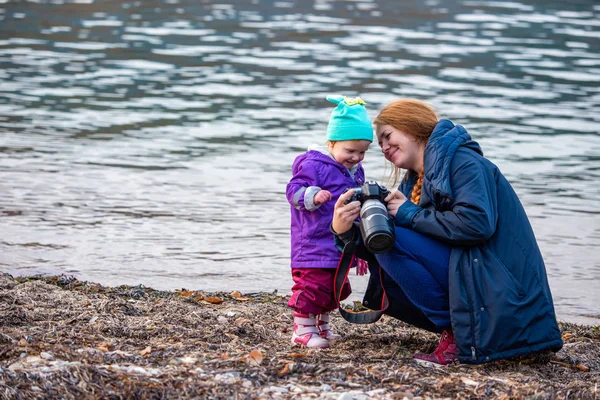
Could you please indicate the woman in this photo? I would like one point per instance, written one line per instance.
(465, 262)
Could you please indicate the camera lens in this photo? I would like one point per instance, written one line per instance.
(380, 242)
(377, 233)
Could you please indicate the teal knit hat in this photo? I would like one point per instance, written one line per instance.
(349, 120)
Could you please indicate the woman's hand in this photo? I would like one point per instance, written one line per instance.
(394, 200)
(344, 214)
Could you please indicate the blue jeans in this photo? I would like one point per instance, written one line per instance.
(416, 280)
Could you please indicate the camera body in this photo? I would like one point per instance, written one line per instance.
(370, 190)
(376, 226)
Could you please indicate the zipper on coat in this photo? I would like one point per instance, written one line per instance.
(471, 306)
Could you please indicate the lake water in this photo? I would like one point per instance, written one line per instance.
(151, 141)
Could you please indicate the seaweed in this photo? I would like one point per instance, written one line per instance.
(65, 338)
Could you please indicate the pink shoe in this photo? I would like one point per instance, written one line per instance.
(324, 330)
(444, 354)
(306, 332)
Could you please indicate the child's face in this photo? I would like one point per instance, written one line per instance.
(349, 152)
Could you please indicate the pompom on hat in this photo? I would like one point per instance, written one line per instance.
(349, 120)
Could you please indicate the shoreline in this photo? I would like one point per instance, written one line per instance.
(64, 338)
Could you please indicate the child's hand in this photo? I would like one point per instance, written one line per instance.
(362, 267)
(322, 196)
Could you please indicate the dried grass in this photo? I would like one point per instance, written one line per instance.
(64, 338)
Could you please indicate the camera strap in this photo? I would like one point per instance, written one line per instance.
(341, 274)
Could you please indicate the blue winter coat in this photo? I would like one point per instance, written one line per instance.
(500, 301)
(311, 239)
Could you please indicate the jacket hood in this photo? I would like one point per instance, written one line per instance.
(444, 142)
(315, 153)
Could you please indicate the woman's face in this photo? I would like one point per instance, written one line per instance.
(399, 148)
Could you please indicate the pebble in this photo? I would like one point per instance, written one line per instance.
(278, 389)
(186, 360)
(326, 388)
(228, 377)
(247, 384)
(353, 396)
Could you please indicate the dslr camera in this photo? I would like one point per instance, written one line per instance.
(376, 226)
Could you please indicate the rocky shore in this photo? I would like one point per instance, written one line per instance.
(64, 338)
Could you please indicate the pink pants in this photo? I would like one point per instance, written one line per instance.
(313, 289)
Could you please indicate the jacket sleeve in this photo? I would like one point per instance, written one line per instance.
(303, 187)
(473, 214)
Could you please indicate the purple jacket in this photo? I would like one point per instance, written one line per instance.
(312, 243)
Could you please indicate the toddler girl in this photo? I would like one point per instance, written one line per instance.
(320, 176)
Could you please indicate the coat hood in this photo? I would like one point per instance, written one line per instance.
(444, 142)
